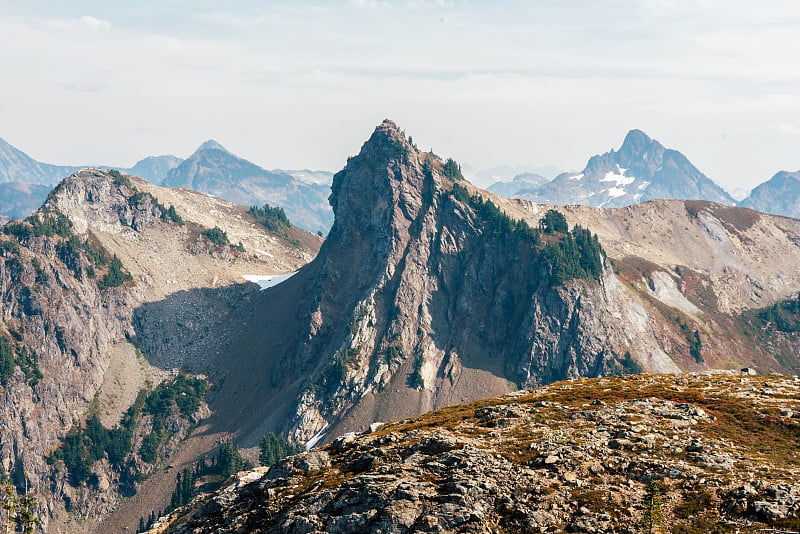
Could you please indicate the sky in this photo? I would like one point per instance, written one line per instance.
(302, 84)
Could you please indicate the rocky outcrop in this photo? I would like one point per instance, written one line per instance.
(417, 301)
(697, 453)
(421, 298)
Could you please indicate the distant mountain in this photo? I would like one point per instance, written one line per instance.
(518, 185)
(780, 195)
(483, 177)
(18, 200)
(17, 166)
(154, 168)
(213, 169)
(311, 177)
(739, 193)
(641, 170)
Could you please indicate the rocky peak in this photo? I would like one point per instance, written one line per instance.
(642, 169)
(640, 153)
(96, 198)
(210, 145)
(382, 183)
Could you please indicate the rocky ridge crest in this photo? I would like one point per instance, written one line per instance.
(696, 453)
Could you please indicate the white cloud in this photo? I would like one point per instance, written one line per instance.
(95, 24)
(368, 3)
(86, 22)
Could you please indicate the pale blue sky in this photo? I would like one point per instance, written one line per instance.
(302, 84)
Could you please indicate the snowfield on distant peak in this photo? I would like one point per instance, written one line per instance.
(618, 177)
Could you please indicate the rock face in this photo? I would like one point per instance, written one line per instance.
(699, 453)
(642, 169)
(212, 169)
(780, 195)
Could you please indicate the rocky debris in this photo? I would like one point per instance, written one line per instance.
(583, 456)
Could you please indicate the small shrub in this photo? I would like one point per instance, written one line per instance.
(554, 221)
(171, 215)
(216, 235)
(695, 347)
(150, 444)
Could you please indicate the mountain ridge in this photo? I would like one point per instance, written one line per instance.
(780, 195)
(213, 169)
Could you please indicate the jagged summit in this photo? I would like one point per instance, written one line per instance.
(637, 143)
(642, 169)
(210, 145)
(366, 180)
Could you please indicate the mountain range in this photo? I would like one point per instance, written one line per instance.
(125, 301)
(519, 184)
(642, 169)
(25, 182)
(214, 170)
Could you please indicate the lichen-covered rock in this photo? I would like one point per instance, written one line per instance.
(550, 468)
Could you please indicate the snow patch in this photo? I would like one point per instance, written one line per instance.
(576, 177)
(616, 192)
(643, 186)
(265, 281)
(618, 177)
(310, 444)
